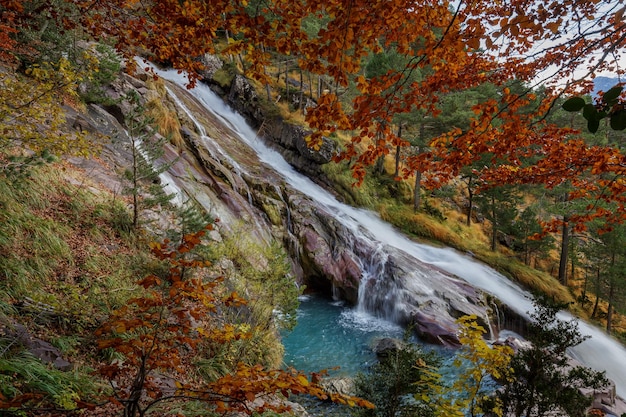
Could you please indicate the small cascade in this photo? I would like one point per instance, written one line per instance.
(496, 312)
(377, 293)
(335, 293)
(210, 144)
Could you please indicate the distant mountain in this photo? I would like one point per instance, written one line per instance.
(603, 84)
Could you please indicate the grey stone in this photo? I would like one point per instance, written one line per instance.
(37, 347)
(212, 63)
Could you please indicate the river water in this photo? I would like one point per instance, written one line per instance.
(599, 352)
(340, 339)
(330, 335)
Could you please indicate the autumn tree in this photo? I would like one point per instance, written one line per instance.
(36, 80)
(481, 364)
(462, 45)
(30, 112)
(158, 332)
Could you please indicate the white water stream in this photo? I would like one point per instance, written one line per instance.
(599, 352)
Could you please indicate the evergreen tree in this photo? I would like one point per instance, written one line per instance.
(143, 182)
(606, 255)
(525, 229)
(399, 385)
(499, 206)
(546, 382)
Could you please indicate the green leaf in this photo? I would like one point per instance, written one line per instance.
(612, 94)
(590, 113)
(593, 125)
(618, 120)
(574, 104)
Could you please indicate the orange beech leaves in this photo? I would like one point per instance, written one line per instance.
(453, 46)
(159, 333)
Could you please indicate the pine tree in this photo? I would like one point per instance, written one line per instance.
(525, 231)
(545, 381)
(499, 206)
(402, 372)
(143, 177)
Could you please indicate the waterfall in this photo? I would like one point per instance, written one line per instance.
(599, 352)
(206, 140)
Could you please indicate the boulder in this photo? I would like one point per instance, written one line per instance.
(338, 385)
(37, 347)
(293, 137)
(387, 345)
(435, 329)
(243, 99)
(212, 63)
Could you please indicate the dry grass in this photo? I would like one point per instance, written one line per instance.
(166, 121)
(60, 246)
(164, 117)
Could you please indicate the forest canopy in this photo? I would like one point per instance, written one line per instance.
(443, 47)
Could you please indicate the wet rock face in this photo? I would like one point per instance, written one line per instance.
(288, 139)
(323, 251)
(227, 177)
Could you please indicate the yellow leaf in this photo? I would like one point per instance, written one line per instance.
(303, 380)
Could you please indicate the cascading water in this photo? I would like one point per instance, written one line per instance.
(599, 352)
(206, 140)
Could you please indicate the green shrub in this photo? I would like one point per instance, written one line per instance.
(396, 382)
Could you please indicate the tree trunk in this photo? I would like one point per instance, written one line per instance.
(301, 102)
(583, 295)
(319, 86)
(379, 166)
(135, 182)
(609, 312)
(132, 407)
(595, 306)
(494, 224)
(398, 148)
(564, 251)
(525, 251)
(417, 202)
(470, 197)
(609, 316)
(573, 259)
(243, 63)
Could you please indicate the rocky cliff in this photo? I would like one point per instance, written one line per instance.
(227, 177)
